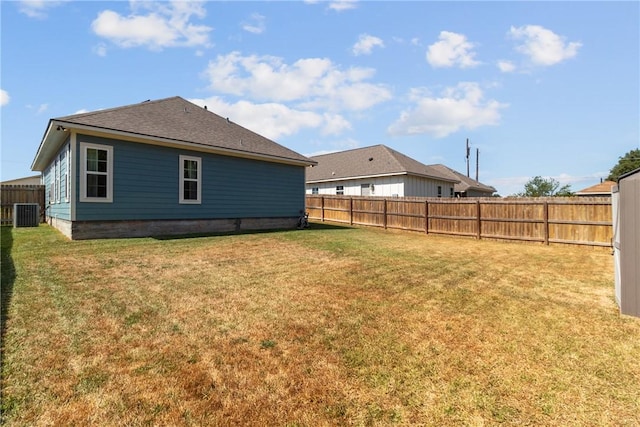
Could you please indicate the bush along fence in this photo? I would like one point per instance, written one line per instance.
(11, 194)
(565, 220)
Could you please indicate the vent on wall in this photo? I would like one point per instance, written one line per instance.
(26, 214)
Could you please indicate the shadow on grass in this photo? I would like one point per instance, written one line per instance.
(312, 226)
(7, 278)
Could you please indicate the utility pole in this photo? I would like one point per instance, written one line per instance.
(468, 151)
(477, 162)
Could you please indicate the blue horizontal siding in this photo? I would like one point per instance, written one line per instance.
(147, 178)
(57, 209)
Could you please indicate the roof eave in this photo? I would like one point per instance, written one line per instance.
(155, 140)
(51, 140)
(314, 181)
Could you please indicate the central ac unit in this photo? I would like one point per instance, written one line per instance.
(26, 214)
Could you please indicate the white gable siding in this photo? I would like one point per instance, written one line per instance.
(423, 187)
(390, 186)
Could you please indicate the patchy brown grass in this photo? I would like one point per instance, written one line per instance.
(328, 326)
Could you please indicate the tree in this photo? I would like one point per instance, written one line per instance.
(545, 187)
(626, 163)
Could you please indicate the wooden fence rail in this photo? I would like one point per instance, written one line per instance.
(11, 194)
(570, 220)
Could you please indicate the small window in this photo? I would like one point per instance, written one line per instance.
(340, 189)
(314, 190)
(450, 191)
(56, 173)
(190, 179)
(67, 173)
(96, 184)
(439, 190)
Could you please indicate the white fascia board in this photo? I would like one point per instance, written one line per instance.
(350, 178)
(52, 140)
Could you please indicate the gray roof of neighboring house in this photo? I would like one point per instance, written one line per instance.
(377, 160)
(466, 183)
(178, 121)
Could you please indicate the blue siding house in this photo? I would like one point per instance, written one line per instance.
(165, 167)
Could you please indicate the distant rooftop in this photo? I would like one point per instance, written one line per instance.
(377, 160)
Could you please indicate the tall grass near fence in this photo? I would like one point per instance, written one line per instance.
(577, 221)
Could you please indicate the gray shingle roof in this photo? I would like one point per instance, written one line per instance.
(466, 183)
(377, 160)
(182, 121)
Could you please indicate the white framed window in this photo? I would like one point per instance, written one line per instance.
(51, 183)
(190, 180)
(439, 190)
(96, 173)
(56, 180)
(314, 190)
(67, 173)
(339, 189)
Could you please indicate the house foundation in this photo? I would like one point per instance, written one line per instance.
(83, 230)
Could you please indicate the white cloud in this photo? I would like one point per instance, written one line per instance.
(42, 108)
(542, 46)
(273, 120)
(459, 107)
(506, 66)
(453, 49)
(311, 82)
(256, 24)
(100, 49)
(4, 97)
(37, 8)
(366, 43)
(341, 5)
(155, 25)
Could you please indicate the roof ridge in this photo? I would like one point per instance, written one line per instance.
(349, 150)
(122, 107)
(394, 155)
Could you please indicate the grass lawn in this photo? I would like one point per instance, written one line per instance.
(327, 326)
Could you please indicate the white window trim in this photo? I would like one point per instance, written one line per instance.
(67, 173)
(83, 173)
(56, 180)
(198, 161)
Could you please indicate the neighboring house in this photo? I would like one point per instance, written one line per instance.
(165, 167)
(467, 187)
(376, 171)
(29, 180)
(603, 189)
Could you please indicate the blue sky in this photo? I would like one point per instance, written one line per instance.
(539, 88)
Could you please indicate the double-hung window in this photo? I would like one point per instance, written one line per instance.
(190, 179)
(96, 175)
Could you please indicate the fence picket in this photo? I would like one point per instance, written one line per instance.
(575, 221)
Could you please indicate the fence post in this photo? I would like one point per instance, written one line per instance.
(322, 208)
(350, 210)
(426, 217)
(384, 213)
(478, 219)
(546, 222)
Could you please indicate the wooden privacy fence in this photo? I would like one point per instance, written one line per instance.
(570, 220)
(11, 194)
